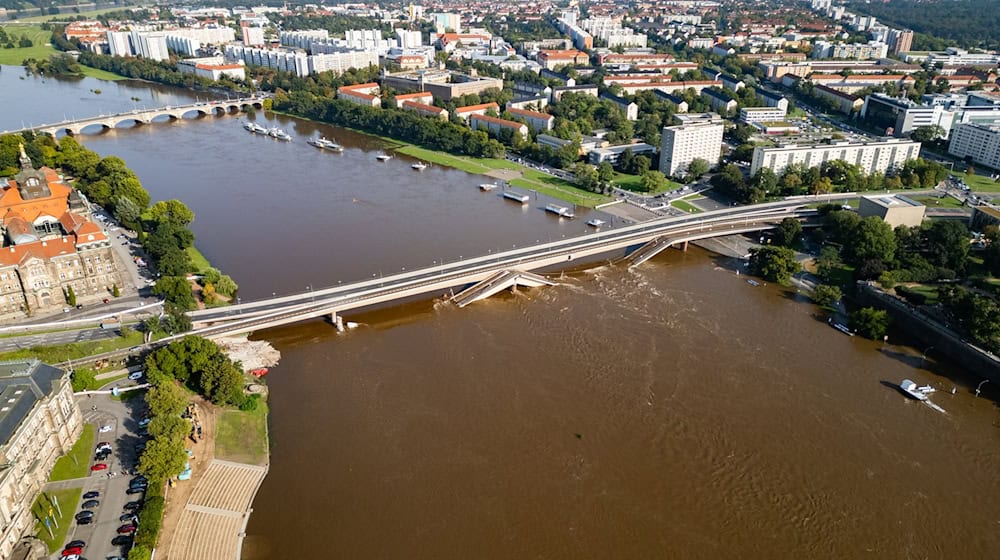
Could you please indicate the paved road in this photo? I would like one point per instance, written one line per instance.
(17, 343)
(122, 417)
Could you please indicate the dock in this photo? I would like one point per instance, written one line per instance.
(516, 196)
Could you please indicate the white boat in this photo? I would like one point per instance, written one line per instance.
(487, 186)
(283, 136)
(910, 389)
(753, 282)
(255, 128)
(383, 157)
(324, 144)
(248, 126)
(561, 211)
(419, 166)
(595, 222)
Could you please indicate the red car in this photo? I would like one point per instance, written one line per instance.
(99, 467)
(126, 529)
(72, 551)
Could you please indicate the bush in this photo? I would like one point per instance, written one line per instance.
(151, 517)
(83, 379)
(826, 295)
(140, 552)
(249, 403)
(870, 322)
(911, 295)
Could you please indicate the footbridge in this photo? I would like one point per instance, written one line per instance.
(216, 107)
(469, 280)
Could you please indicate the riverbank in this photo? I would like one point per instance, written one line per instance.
(516, 174)
(42, 49)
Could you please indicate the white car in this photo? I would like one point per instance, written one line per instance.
(135, 375)
(105, 428)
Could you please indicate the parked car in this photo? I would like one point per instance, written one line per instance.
(135, 376)
(89, 504)
(126, 529)
(127, 517)
(103, 445)
(91, 495)
(76, 543)
(85, 521)
(84, 514)
(132, 506)
(99, 467)
(76, 550)
(144, 422)
(105, 428)
(135, 490)
(122, 540)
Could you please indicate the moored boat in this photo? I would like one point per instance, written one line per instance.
(383, 157)
(561, 211)
(255, 128)
(911, 390)
(487, 186)
(840, 327)
(260, 372)
(594, 222)
(419, 166)
(516, 196)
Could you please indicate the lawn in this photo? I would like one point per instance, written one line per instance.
(60, 353)
(40, 50)
(76, 463)
(198, 260)
(685, 206)
(68, 500)
(634, 183)
(465, 163)
(938, 202)
(929, 293)
(978, 183)
(242, 436)
(66, 16)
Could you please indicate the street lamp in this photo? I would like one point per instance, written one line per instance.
(980, 386)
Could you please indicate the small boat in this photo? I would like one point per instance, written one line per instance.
(248, 126)
(753, 282)
(595, 222)
(383, 157)
(419, 166)
(255, 128)
(561, 211)
(911, 390)
(840, 327)
(259, 372)
(487, 186)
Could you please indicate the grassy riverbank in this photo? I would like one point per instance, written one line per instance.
(241, 436)
(42, 49)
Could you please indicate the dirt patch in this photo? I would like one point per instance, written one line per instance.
(252, 354)
(504, 174)
(204, 451)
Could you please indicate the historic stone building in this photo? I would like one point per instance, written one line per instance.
(49, 245)
(39, 422)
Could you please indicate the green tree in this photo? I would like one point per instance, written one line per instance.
(827, 263)
(226, 286)
(83, 379)
(653, 181)
(174, 262)
(586, 176)
(605, 172)
(127, 212)
(870, 322)
(775, 264)
(948, 244)
(872, 239)
(991, 255)
(70, 296)
(176, 290)
(171, 211)
(927, 133)
(787, 232)
(826, 295)
(211, 276)
(165, 398)
(115, 292)
(169, 426)
(696, 169)
(162, 459)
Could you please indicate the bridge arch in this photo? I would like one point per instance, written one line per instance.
(136, 122)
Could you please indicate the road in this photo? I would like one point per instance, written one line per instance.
(122, 416)
(48, 339)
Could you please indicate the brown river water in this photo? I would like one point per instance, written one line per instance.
(669, 411)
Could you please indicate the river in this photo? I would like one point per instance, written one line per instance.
(669, 411)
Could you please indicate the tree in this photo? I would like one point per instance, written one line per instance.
(70, 296)
(991, 255)
(947, 244)
(870, 322)
(871, 240)
(605, 172)
(169, 426)
(127, 212)
(165, 398)
(163, 459)
(927, 133)
(586, 176)
(83, 379)
(787, 232)
(115, 292)
(173, 212)
(828, 262)
(696, 169)
(175, 290)
(226, 285)
(775, 264)
(174, 262)
(826, 296)
(653, 181)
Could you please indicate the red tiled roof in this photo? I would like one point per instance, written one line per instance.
(480, 107)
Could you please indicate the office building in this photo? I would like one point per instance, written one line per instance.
(698, 137)
(762, 114)
(447, 23)
(871, 157)
(979, 142)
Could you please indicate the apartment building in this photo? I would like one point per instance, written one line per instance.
(697, 137)
(979, 142)
(872, 157)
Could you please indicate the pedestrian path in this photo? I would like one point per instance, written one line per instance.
(212, 524)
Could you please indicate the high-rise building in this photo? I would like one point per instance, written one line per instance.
(151, 45)
(900, 40)
(980, 142)
(447, 23)
(253, 36)
(118, 43)
(697, 137)
(408, 39)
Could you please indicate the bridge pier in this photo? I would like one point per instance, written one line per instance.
(684, 247)
(337, 321)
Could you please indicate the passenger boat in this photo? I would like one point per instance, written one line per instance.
(248, 126)
(324, 144)
(333, 146)
(595, 222)
(487, 186)
(840, 327)
(419, 166)
(255, 128)
(910, 389)
(383, 157)
(279, 134)
(561, 211)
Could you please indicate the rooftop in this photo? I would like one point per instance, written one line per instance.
(22, 384)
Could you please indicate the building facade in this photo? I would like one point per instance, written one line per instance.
(979, 142)
(699, 137)
(49, 246)
(872, 157)
(39, 422)
(893, 210)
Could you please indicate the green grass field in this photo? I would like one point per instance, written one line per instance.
(978, 183)
(76, 463)
(63, 17)
(465, 163)
(42, 50)
(68, 500)
(686, 206)
(242, 436)
(198, 260)
(60, 353)
(634, 183)
(936, 202)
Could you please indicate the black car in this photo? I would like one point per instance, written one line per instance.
(74, 544)
(138, 484)
(122, 540)
(138, 480)
(91, 504)
(91, 495)
(84, 520)
(131, 491)
(127, 517)
(132, 506)
(84, 513)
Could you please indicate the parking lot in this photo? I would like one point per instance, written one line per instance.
(122, 417)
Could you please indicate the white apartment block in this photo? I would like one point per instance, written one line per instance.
(977, 141)
(303, 39)
(955, 56)
(118, 43)
(408, 39)
(612, 34)
(187, 41)
(300, 63)
(856, 51)
(699, 137)
(149, 45)
(444, 22)
(253, 36)
(872, 157)
(762, 114)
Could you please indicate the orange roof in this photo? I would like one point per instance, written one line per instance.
(219, 66)
(532, 114)
(424, 107)
(418, 95)
(44, 250)
(496, 121)
(572, 53)
(54, 205)
(480, 107)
